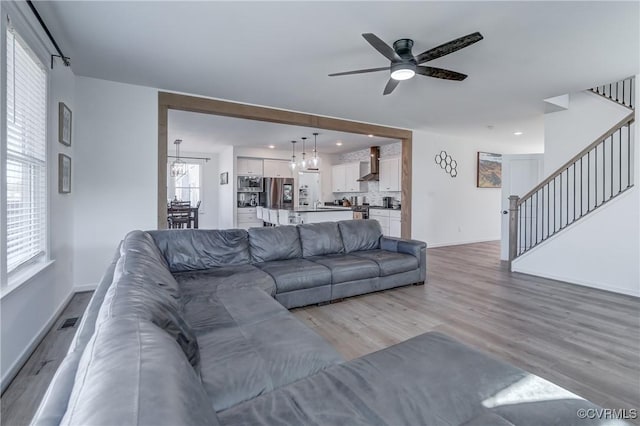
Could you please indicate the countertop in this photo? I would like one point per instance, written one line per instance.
(320, 210)
(383, 208)
(307, 209)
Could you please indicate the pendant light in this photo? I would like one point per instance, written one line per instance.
(315, 149)
(178, 167)
(293, 155)
(303, 162)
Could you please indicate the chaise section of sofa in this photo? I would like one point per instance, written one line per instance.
(428, 380)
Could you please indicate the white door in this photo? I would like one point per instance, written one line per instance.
(520, 174)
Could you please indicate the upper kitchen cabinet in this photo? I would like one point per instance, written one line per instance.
(389, 175)
(249, 167)
(345, 177)
(277, 168)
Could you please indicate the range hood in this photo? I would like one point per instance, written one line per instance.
(374, 157)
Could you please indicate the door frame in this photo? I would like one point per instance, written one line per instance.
(176, 101)
(504, 194)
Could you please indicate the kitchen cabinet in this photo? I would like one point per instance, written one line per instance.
(338, 178)
(389, 220)
(395, 224)
(249, 167)
(247, 217)
(389, 175)
(277, 168)
(344, 177)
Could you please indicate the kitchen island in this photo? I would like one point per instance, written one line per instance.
(309, 214)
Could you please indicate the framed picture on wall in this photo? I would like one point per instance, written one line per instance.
(64, 174)
(64, 124)
(224, 178)
(489, 170)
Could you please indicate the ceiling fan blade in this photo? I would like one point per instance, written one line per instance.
(381, 47)
(450, 47)
(440, 73)
(391, 85)
(359, 71)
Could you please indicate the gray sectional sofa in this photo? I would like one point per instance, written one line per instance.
(190, 327)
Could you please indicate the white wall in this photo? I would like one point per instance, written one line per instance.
(446, 210)
(226, 193)
(115, 170)
(567, 132)
(603, 249)
(28, 311)
(600, 251)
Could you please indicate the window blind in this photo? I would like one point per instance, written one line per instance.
(26, 160)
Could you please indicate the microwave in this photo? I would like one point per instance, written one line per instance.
(249, 184)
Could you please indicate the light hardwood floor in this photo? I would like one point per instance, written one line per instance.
(583, 339)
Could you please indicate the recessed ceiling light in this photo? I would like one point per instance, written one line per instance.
(370, 136)
(272, 146)
(517, 133)
(339, 143)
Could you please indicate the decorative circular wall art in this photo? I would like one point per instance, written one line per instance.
(447, 163)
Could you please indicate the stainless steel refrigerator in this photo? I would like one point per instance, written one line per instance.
(278, 193)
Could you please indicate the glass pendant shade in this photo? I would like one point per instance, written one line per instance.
(303, 162)
(293, 164)
(178, 167)
(315, 150)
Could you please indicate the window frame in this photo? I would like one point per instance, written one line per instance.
(171, 188)
(15, 15)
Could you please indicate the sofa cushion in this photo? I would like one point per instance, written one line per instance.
(132, 296)
(193, 249)
(54, 402)
(296, 274)
(143, 243)
(274, 243)
(345, 267)
(206, 281)
(360, 235)
(320, 238)
(228, 307)
(389, 262)
(133, 373)
(152, 269)
(255, 357)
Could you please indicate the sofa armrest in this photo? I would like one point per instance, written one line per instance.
(413, 247)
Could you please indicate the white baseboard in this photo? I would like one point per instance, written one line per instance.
(85, 287)
(26, 353)
(457, 243)
(583, 283)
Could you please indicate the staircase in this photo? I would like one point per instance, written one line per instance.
(596, 175)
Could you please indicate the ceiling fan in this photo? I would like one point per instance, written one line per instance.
(404, 65)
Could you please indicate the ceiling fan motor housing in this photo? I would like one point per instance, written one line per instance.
(403, 48)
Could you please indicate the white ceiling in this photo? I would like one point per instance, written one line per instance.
(279, 54)
(211, 133)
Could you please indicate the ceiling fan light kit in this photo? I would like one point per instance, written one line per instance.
(404, 65)
(403, 71)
